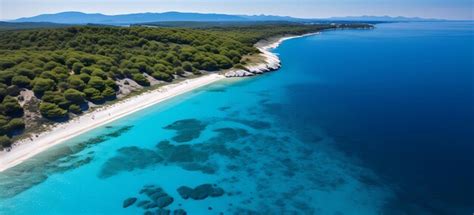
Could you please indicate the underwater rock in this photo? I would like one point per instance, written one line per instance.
(150, 205)
(162, 212)
(184, 153)
(128, 159)
(179, 212)
(164, 201)
(200, 192)
(143, 203)
(157, 195)
(128, 202)
(187, 129)
(185, 192)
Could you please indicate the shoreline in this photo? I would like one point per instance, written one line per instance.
(271, 61)
(60, 132)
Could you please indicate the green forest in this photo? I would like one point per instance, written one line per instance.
(68, 68)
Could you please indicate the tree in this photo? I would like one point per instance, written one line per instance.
(10, 107)
(3, 124)
(5, 142)
(74, 96)
(26, 72)
(14, 125)
(188, 66)
(57, 98)
(6, 77)
(93, 94)
(51, 111)
(97, 83)
(21, 81)
(178, 71)
(111, 84)
(40, 85)
(162, 76)
(140, 79)
(74, 108)
(76, 82)
(108, 93)
(77, 67)
(98, 72)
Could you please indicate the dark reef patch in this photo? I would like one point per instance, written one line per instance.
(128, 202)
(155, 198)
(59, 159)
(224, 108)
(187, 129)
(193, 157)
(200, 192)
(129, 159)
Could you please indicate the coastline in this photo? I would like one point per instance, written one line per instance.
(60, 132)
(270, 61)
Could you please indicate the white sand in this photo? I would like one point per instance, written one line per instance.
(27, 148)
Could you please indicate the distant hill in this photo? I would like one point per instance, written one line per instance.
(382, 19)
(6, 26)
(83, 18)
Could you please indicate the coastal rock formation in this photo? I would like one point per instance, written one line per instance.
(238, 73)
(270, 63)
(200, 192)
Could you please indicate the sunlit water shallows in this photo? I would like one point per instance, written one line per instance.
(356, 122)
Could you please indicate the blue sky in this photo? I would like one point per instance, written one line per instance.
(449, 9)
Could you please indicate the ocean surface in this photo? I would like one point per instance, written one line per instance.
(356, 122)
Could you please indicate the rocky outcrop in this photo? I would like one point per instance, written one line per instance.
(238, 73)
(270, 63)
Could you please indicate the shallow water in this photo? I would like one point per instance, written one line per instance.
(356, 121)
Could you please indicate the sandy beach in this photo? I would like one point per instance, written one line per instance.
(27, 148)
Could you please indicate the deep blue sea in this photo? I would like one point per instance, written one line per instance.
(355, 122)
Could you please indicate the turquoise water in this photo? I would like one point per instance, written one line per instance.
(356, 122)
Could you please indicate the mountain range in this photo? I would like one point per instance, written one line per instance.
(135, 18)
